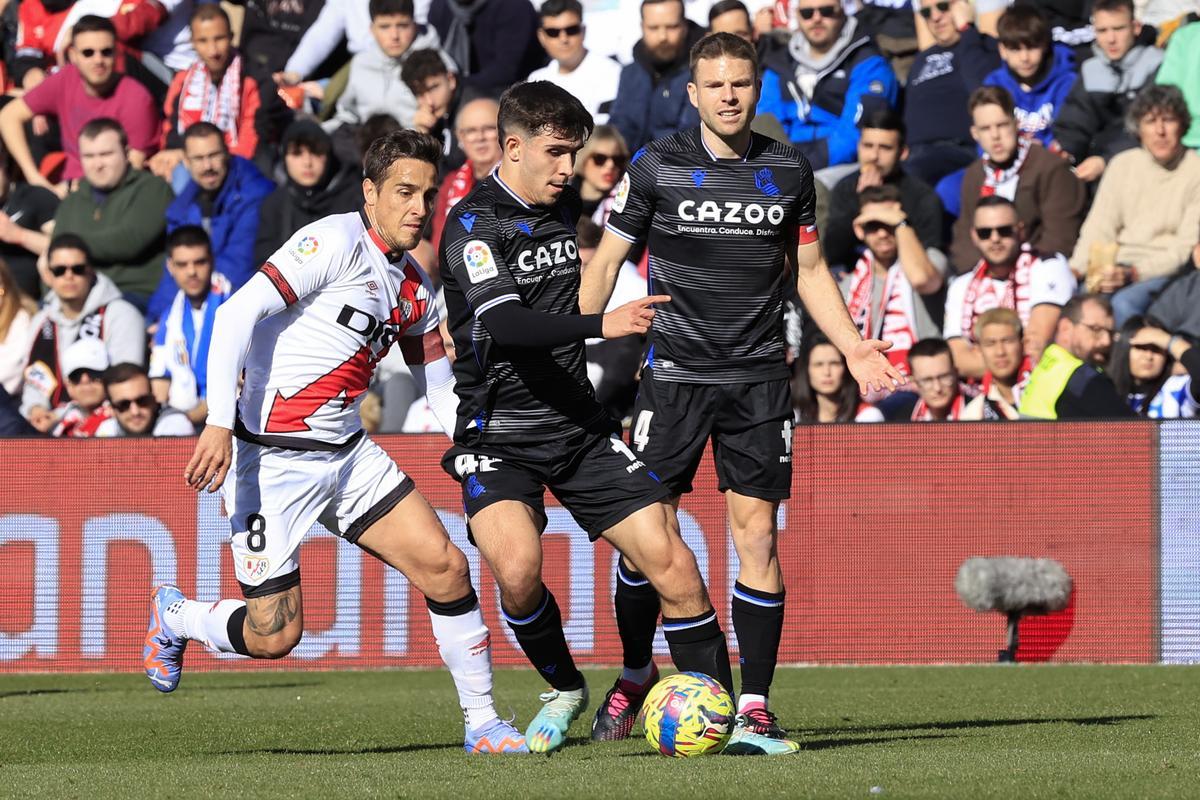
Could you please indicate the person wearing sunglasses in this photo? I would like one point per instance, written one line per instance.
(1067, 382)
(598, 168)
(828, 76)
(88, 88)
(1051, 202)
(81, 304)
(83, 365)
(591, 77)
(135, 411)
(939, 84)
(1010, 274)
(1156, 371)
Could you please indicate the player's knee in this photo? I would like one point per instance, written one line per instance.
(275, 646)
(755, 541)
(520, 587)
(675, 574)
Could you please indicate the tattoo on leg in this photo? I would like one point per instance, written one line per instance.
(272, 615)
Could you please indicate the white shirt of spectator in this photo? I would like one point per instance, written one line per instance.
(1046, 279)
(170, 422)
(345, 285)
(1173, 401)
(593, 82)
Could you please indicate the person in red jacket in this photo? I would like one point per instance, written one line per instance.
(214, 89)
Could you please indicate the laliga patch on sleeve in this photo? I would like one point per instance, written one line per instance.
(875, 87)
(480, 264)
(305, 249)
(622, 195)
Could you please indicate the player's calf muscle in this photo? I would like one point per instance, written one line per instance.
(274, 624)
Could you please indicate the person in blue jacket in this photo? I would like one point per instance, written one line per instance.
(223, 197)
(652, 97)
(819, 85)
(1037, 72)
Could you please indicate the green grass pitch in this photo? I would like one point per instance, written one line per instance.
(953, 732)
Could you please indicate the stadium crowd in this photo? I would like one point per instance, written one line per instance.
(1008, 193)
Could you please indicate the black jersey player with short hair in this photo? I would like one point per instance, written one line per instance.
(724, 210)
(528, 419)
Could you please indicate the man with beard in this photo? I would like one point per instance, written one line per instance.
(652, 99)
(318, 184)
(223, 196)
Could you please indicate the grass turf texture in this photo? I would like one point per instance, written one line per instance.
(961, 732)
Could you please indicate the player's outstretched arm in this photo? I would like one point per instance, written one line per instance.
(600, 275)
(514, 325)
(233, 329)
(823, 300)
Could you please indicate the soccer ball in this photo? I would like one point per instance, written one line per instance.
(687, 714)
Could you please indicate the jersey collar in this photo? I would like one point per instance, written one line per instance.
(713, 156)
(505, 187)
(392, 256)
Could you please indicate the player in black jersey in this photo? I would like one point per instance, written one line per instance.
(724, 211)
(528, 419)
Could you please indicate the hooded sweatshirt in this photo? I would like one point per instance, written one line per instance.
(117, 323)
(375, 87)
(292, 206)
(1038, 107)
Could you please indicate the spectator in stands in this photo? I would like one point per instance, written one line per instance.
(271, 32)
(83, 364)
(652, 99)
(12, 424)
(827, 77)
(224, 196)
(894, 279)
(1181, 68)
(732, 16)
(1091, 124)
(1006, 367)
(599, 168)
(374, 85)
(823, 390)
(1067, 382)
(1037, 73)
(337, 19)
(475, 127)
(16, 329)
(939, 397)
(881, 149)
(135, 412)
(590, 77)
(81, 305)
(26, 220)
(1050, 201)
(1148, 207)
(213, 89)
(88, 88)
(435, 86)
(939, 84)
(1143, 369)
(317, 185)
(119, 211)
(1010, 274)
(179, 354)
(492, 42)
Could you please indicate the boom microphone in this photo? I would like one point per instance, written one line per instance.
(1014, 587)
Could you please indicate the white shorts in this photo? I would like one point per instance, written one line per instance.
(275, 495)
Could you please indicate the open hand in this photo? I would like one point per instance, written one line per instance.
(872, 370)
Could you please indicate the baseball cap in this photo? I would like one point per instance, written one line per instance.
(85, 353)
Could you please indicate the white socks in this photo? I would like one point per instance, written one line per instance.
(205, 622)
(749, 701)
(465, 645)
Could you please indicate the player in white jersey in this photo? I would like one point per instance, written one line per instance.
(309, 329)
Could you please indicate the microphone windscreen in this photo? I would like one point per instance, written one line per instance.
(1025, 585)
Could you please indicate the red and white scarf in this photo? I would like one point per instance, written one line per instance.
(983, 295)
(1003, 182)
(897, 322)
(991, 393)
(921, 412)
(200, 101)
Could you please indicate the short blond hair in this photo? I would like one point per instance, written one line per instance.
(997, 316)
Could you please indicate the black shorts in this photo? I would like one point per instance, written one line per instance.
(750, 425)
(595, 477)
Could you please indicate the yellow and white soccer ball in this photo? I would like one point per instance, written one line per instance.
(688, 714)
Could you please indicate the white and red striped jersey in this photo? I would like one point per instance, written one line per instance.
(347, 300)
